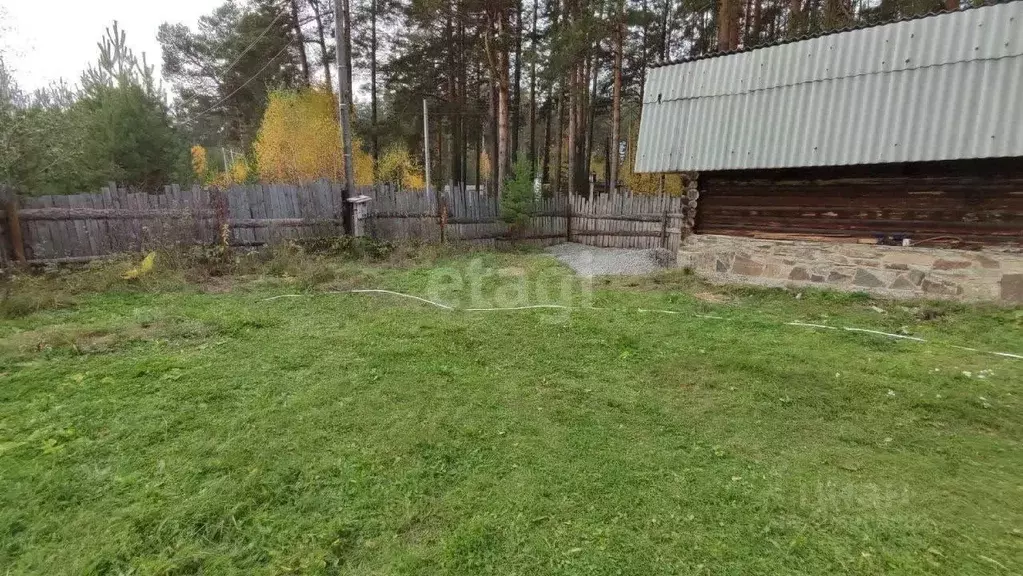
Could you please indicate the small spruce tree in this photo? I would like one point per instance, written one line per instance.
(517, 202)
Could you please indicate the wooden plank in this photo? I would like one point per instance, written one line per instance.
(55, 229)
(81, 208)
(147, 232)
(14, 235)
(293, 210)
(102, 202)
(602, 225)
(113, 228)
(254, 201)
(256, 223)
(35, 234)
(68, 231)
(96, 237)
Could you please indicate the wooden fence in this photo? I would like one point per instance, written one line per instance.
(82, 227)
(460, 215)
(630, 221)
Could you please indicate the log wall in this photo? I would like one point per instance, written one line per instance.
(940, 204)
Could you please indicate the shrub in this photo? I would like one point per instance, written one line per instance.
(517, 200)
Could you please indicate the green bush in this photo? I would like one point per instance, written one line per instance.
(517, 204)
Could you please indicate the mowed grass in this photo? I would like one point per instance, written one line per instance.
(173, 430)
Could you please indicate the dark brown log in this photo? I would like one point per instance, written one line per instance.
(978, 199)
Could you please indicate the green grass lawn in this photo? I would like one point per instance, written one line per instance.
(182, 429)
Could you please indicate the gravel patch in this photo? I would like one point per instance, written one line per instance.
(596, 261)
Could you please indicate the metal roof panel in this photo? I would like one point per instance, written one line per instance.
(937, 88)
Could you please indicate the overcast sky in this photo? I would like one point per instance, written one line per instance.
(47, 40)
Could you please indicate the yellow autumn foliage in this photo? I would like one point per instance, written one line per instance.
(200, 163)
(299, 140)
(239, 173)
(399, 167)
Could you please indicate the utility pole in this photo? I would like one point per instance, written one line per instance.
(426, 145)
(344, 111)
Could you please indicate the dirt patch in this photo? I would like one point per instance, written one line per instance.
(712, 297)
(216, 285)
(101, 339)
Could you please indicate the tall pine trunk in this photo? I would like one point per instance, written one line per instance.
(795, 24)
(573, 124)
(503, 104)
(516, 119)
(559, 143)
(545, 170)
(300, 39)
(494, 137)
(724, 22)
(532, 92)
(322, 41)
(665, 36)
(616, 104)
(591, 115)
(375, 136)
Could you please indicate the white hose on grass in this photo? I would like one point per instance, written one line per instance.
(431, 302)
(641, 310)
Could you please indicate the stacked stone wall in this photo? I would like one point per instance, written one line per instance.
(894, 271)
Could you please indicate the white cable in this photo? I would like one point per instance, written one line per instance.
(810, 325)
(235, 91)
(706, 316)
(914, 338)
(431, 302)
(284, 296)
(533, 307)
(249, 47)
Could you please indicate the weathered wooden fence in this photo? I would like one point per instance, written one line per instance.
(630, 221)
(82, 227)
(460, 215)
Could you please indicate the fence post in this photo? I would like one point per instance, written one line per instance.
(443, 218)
(664, 229)
(218, 202)
(568, 217)
(14, 229)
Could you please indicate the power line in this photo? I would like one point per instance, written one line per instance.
(250, 46)
(236, 90)
(239, 58)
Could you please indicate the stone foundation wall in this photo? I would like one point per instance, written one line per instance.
(892, 271)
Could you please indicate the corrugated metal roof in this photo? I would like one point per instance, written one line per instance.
(938, 88)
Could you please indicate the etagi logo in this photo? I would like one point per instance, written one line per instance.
(479, 287)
